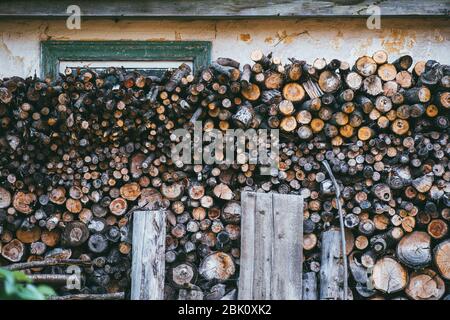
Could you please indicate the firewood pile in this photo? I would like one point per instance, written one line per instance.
(80, 153)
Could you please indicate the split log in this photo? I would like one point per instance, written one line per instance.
(23, 202)
(222, 191)
(118, 206)
(183, 274)
(442, 258)
(219, 266)
(5, 198)
(13, 251)
(437, 228)
(75, 234)
(251, 92)
(425, 285)
(293, 92)
(329, 81)
(366, 66)
(414, 249)
(97, 243)
(28, 235)
(389, 276)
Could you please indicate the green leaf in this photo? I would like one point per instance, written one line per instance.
(6, 274)
(17, 285)
(21, 277)
(46, 290)
(29, 292)
(10, 285)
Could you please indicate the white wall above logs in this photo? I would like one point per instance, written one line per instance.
(342, 38)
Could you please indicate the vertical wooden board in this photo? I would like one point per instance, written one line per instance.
(137, 249)
(148, 260)
(287, 247)
(263, 247)
(271, 246)
(309, 286)
(331, 279)
(248, 203)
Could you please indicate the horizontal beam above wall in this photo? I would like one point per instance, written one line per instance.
(220, 8)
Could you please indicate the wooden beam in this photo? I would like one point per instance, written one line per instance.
(271, 247)
(221, 8)
(148, 261)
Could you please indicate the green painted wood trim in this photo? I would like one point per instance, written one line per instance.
(52, 52)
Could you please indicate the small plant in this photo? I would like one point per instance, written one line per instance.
(15, 285)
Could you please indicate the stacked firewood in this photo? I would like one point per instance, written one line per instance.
(81, 153)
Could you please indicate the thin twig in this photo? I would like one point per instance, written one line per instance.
(85, 296)
(45, 263)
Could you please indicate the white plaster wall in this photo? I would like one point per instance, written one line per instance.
(307, 39)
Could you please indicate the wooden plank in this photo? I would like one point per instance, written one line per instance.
(222, 8)
(309, 286)
(148, 259)
(263, 247)
(287, 247)
(52, 52)
(248, 202)
(331, 266)
(271, 247)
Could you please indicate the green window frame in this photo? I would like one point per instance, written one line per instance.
(53, 52)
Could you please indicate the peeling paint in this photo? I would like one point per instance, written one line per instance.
(285, 38)
(4, 47)
(398, 39)
(363, 47)
(43, 32)
(9, 55)
(438, 37)
(269, 40)
(337, 40)
(245, 37)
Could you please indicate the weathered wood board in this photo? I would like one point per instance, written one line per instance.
(332, 267)
(222, 8)
(271, 247)
(148, 260)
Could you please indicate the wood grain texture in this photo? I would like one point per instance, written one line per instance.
(247, 251)
(287, 244)
(262, 286)
(222, 9)
(148, 261)
(309, 286)
(271, 251)
(331, 280)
